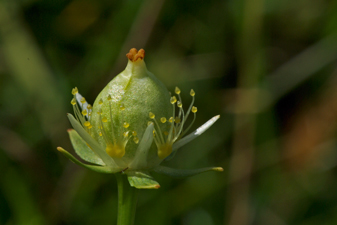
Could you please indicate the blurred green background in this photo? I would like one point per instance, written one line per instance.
(267, 67)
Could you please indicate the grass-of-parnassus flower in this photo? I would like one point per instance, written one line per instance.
(133, 125)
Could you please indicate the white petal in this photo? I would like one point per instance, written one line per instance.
(92, 142)
(140, 159)
(84, 106)
(195, 134)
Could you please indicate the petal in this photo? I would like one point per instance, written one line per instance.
(140, 159)
(82, 149)
(142, 180)
(92, 143)
(100, 169)
(195, 134)
(178, 173)
(83, 106)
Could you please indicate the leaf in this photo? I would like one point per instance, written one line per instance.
(100, 169)
(178, 173)
(142, 180)
(83, 150)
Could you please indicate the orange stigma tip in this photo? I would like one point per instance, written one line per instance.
(134, 55)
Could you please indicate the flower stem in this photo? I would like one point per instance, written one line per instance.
(127, 201)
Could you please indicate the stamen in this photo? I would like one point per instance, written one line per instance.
(134, 133)
(74, 91)
(194, 109)
(163, 120)
(177, 91)
(82, 100)
(177, 120)
(100, 101)
(173, 100)
(179, 104)
(151, 115)
(126, 134)
(73, 101)
(104, 119)
(87, 124)
(84, 112)
(122, 107)
(109, 98)
(89, 107)
(126, 125)
(136, 140)
(192, 93)
(171, 119)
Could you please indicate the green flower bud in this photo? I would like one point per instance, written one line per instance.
(133, 126)
(125, 103)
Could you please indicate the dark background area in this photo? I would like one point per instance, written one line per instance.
(267, 67)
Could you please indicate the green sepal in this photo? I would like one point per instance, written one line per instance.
(178, 173)
(83, 150)
(142, 180)
(100, 169)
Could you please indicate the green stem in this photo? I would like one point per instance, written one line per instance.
(127, 201)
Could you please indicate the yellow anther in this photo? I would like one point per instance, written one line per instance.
(89, 107)
(87, 123)
(151, 115)
(104, 119)
(177, 120)
(179, 104)
(100, 134)
(173, 99)
(171, 119)
(74, 91)
(136, 140)
(149, 123)
(122, 107)
(90, 126)
(82, 100)
(89, 114)
(100, 101)
(126, 125)
(163, 120)
(84, 112)
(177, 91)
(194, 109)
(192, 93)
(134, 133)
(73, 101)
(126, 134)
(99, 112)
(99, 127)
(165, 132)
(109, 98)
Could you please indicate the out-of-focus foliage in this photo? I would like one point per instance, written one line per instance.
(268, 67)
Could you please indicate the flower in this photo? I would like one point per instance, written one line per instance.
(133, 126)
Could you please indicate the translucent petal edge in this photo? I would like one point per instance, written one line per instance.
(100, 169)
(179, 173)
(83, 150)
(92, 142)
(140, 159)
(195, 134)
